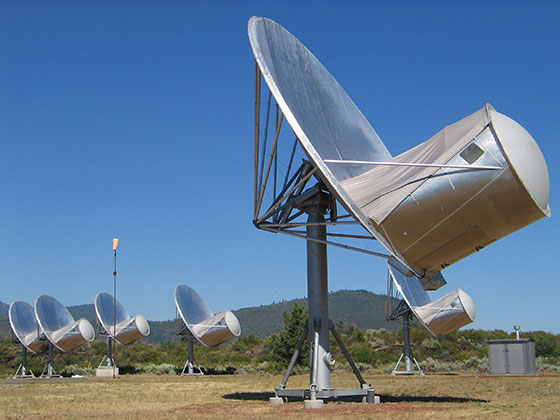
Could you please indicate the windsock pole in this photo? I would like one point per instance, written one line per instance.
(115, 245)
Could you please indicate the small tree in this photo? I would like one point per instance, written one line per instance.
(284, 343)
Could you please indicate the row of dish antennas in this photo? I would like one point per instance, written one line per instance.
(50, 325)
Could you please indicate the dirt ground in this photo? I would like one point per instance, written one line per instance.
(145, 397)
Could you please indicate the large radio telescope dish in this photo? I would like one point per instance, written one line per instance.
(59, 326)
(474, 182)
(128, 329)
(471, 184)
(25, 327)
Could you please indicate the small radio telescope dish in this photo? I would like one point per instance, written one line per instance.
(59, 326)
(446, 314)
(198, 321)
(440, 317)
(209, 329)
(128, 329)
(25, 327)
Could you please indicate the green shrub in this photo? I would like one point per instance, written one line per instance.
(71, 370)
(362, 354)
(284, 343)
(544, 365)
(154, 369)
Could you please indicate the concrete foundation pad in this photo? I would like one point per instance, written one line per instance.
(106, 372)
(313, 404)
(276, 400)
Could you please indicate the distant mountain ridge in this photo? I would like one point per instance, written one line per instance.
(4, 309)
(361, 308)
(358, 307)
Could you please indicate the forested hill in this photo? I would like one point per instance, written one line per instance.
(4, 309)
(358, 307)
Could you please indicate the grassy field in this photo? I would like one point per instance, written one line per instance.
(145, 397)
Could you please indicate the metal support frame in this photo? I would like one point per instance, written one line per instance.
(398, 309)
(319, 324)
(407, 351)
(48, 371)
(313, 392)
(107, 361)
(191, 368)
(277, 178)
(22, 370)
(290, 201)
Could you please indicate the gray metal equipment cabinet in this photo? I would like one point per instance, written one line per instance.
(512, 357)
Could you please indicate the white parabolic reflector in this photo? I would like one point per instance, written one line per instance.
(440, 317)
(25, 327)
(59, 326)
(128, 329)
(427, 215)
(211, 330)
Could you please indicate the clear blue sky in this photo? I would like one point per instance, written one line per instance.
(134, 119)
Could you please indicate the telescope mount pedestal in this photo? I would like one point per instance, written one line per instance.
(22, 371)
(407, 351)
(191, 368)
(48, 371)
(318, 325)
(107, 366)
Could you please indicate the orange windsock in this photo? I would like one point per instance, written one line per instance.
(115, 243)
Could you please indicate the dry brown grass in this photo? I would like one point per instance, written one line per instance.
(144, 397)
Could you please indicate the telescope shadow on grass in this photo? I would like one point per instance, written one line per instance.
(432, 398)
(264, 396)
(249, 396)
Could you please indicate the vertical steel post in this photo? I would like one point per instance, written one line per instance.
(114, 308)
(407, 350)
(109, 353)
(23, 360)
(190, 339)
(50, 372)
(317, 289)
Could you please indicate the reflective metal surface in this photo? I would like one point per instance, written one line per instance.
(191, 306)
(128, 329)
(409, 288)
(59, 326)
(211, 330)
(25, 327)
(325, 120)
(104, 304)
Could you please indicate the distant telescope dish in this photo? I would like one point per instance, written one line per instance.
(59, 326)
(25, 327)
(442, 316)
(209, 329)
(128, 329)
